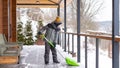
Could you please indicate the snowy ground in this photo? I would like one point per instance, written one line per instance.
(33, 56)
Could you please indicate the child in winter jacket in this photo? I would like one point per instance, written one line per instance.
(51, 33)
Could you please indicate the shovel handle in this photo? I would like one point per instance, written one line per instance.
(51, 44)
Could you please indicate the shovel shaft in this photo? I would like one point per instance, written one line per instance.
(51, 44)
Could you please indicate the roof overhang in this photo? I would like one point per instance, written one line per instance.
(41, 3)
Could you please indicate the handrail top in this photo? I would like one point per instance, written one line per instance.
(100, 36)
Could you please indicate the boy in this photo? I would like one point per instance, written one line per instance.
(52, 31)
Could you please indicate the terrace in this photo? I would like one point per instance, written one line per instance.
(8, 22)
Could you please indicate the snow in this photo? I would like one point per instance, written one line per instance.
(104, 61)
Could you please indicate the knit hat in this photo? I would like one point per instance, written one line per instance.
(57, 20)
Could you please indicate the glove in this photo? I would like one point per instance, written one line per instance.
(42, 36)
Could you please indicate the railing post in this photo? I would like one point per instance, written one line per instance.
(65, 24)
(115, 32)
(59, 39)
(78, 30)
(72, 43)
(63, 40)
(68, 44)
(85, 51)
(97, 53)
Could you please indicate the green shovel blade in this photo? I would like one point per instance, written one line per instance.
(71, 62)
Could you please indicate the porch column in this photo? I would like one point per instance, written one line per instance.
(65, 25)
(58, 10)
(115, 32)
(78, 30)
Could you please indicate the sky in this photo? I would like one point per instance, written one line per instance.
(105, 14)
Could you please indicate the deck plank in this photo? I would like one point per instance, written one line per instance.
(33, 57)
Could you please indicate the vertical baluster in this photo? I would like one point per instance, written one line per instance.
(85, 51)
(72, 43)
(97, 53)
(68, 44)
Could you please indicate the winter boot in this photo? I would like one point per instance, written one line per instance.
(56, 61)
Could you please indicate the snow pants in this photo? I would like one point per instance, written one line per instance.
(47, 51)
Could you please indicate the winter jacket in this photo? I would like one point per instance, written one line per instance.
(51, 32)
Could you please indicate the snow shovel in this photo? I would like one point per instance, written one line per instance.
(69, 61)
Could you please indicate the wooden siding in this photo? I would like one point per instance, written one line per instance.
(1, 17)
(4, 18)
(13, 20)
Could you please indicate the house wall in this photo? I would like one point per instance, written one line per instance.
(1, 17)
(10, 33)
(4, 17)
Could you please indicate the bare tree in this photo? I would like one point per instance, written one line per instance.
(88, 9)
(35, 14)
(49, 14)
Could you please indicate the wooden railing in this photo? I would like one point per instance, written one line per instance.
(95, 35)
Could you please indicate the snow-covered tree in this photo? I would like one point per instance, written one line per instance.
(28, 33)
(39, 26)
(20, 32)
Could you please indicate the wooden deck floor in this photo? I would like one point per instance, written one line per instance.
(33, 57)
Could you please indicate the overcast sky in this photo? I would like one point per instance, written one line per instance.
(106, 13)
